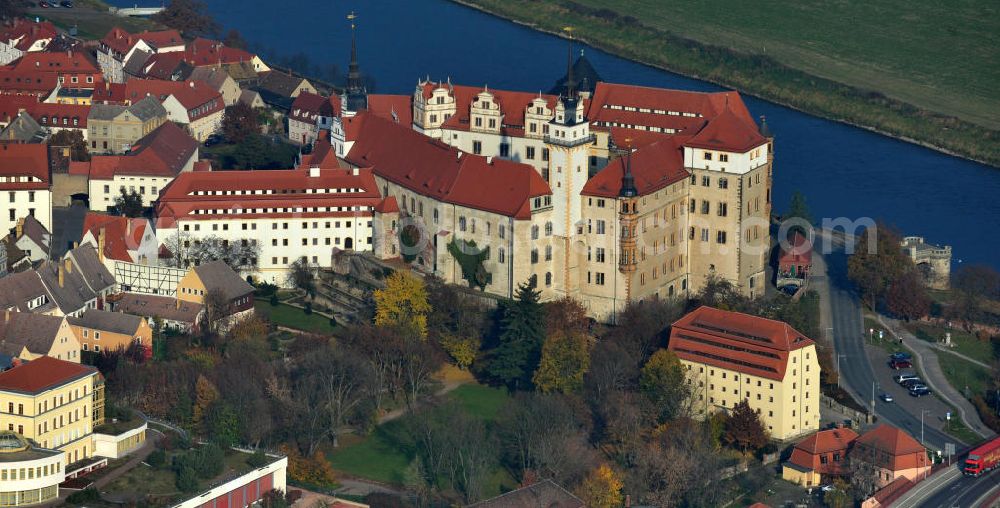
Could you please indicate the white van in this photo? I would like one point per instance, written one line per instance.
(900, 378)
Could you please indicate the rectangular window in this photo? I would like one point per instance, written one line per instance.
(600, 226)
(723, 209)
(477, 147)
(720, 237)
(599, 278)
(706, 181)
(599, 255)
(529, 152)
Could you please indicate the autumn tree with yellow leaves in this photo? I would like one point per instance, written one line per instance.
(403, 304)
(602, 488)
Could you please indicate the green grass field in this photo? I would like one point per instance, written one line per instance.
(294, 317)
(961, 374)
(480, 401)
(964, 343)
(902, 68)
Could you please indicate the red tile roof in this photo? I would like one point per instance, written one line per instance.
(193, 95)
(162, 38)
(428, 167)
(307, 106)
(24, 160)
(640, 112)
(42, 374)
(806, 453)
(121, 41)
(654, 167)
(387, 205)
(163, 152)
(121, 234)
(322, 155)
(60, 115)
(896, 449)
(202, 51)
(290, 189)
(11, 105)
(386, 105)
(512, 105)
(30, 82)
(728, 132)
(26, 33)
(800, 251)
(732, 340)
(59, 62)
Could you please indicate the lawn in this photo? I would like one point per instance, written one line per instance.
(964, 343)
(958, 429)
(92, 19)
(481, 401)
(294, 317)
(962, 374)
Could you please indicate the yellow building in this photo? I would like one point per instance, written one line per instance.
(731, 357)
(99, 330)
(55, 403)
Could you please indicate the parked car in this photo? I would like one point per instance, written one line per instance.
(826, 488)
(910, 383)
(900, 364)
(214, 139)
(886, 397)
(67, 4)
(899, 378)
(919, 390)
(44, 5)
(900, 355)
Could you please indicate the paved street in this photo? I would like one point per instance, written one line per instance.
(841, 321)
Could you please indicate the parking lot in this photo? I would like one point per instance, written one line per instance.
(935, 409)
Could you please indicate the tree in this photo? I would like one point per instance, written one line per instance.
(974, 284)
(798, 209)
(564, 360)
(239, 122)
(234, 39)
(863, 474)
(129, 204)
(602, 488)
(205, 395)
(743, 428)
(403, 303)
(189, 17)
(72, 138)
(877, 262)
(224, 425)
(517, 355)
(302, 276)
(217, 310)
(663, 383)
(837, 497)
(541, 435)
(566, 315)
(907, 297)
(241, 255)
(462, 350)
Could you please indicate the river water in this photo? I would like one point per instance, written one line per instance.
(843, 171)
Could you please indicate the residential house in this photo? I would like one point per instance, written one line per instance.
(117, 238)
(216, 276)
(19, 36)
(252, 98)
(309, 114)
(191, 103)
(72, 69)
(819, 458)
(543, 494)
(58, 117)
(29, 336)
(55, 403)
(100, 330)
(25, 184)
(203, 52)
(242, 72)
(279, 89)
(176, 314)
(115, 128)
(731, 357)
(118, 47)
(24, 292)
(894, 453)
(23, 129)
(32, 238)
(30, 83)
(154, 161)
(220, 81)
(76, 283)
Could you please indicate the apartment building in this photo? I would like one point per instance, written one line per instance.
(25, 184)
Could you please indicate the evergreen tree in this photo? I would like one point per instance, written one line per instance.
(523, 332)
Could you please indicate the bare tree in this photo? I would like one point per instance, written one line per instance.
(241, 254)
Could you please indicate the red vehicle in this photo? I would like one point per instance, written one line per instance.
(983, 458)
(900, 364)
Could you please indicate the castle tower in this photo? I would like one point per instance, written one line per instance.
(355, 98)
(627, 218)
(568, 143)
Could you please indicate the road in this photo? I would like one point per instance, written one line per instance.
(962, 492)
(856, 373)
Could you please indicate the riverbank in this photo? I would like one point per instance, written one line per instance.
(756, 75)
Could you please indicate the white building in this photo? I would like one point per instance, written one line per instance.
(25, 184)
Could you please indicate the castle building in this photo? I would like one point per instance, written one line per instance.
(732, 357)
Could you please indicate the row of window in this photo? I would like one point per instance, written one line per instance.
(310, 209)
(13, 196)
(268, 192)
(28, 474)
(720, 236)
(706, 181)
(75, 79)
(654, 111)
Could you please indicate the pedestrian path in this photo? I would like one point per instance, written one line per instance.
(926, 356)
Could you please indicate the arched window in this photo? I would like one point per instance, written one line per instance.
(548, 228)
(461, 223)
(548, 253)
(534, 256)
(534, 232)
(548, 278)
(435, 216)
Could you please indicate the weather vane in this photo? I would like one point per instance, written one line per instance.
(351, 17)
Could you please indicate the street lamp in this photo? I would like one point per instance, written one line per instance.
(838, 368)
(922, 412)
(874, 386)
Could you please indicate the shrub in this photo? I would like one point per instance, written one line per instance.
(157, 459)
(258, 459)
(308, 309)
(274, 300)
(87, 495)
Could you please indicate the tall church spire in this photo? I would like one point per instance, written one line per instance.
(570, 81)
(356, 98)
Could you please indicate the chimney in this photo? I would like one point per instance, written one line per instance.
(313, 172)
(489, 159)
(20, 227)
(355, 171)
(100, 244)
(62, 276)
(69, 264)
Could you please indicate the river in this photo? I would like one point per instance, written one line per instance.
(843, 171)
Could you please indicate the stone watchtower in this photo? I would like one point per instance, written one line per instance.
(934, 261)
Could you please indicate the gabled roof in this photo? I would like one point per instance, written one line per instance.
(136, 64)
(43, 374)
(512, 105)
(74, 292)
(805, 454)
(307, 106)
(11, 105)
(114, 322)
(36, 332)
(240, 71)
(36, 232)
(23, 128)
(280, 83)
(163, 152)
(800, 250)
(653, 167)
(67, 116)
(121, 41)
(203, 51)
(727, 132)
(25, 160)
(398, 108)
(732, 340)
(121, 234)
(164, 307)
(59, 62)
(387, 205)
(213, 76)
(544, 494)
(95, 274)
(27, 81)
(18, 289)
(191, 94)
(897, 449)
(26, 33)
(431, 168)
(218, 275)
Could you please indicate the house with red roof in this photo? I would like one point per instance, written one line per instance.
(308, 213)
(795, 259)
(25, 176)
(73, 69)
(119, 46)
(474, 202)
(154, 161)
(894, 453)
(732, 357)
(19, 36)
(311, 113)
(194, 104)
(819, 458)
(30, 83)
(118, 238)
